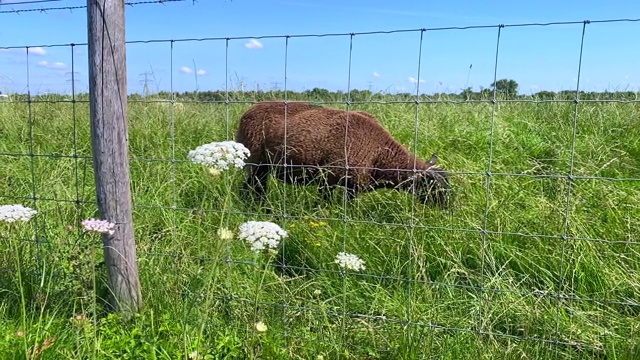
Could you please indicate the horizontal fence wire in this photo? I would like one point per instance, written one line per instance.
(340, 34)
(476, 231)
(480, 234)
(70, 8)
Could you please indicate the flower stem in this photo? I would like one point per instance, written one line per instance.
(23, 303)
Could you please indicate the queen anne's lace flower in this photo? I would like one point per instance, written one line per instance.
(261, 326)
(99, 226)
(349, 261)
(12, 213)
(262, 234)
(225, 234)
(219, 155)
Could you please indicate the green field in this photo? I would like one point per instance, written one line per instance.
(551, 277)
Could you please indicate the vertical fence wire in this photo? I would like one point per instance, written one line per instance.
(79, 208)
(228, 296)
(560, 298)
(172, 136)
(79, 198)
(345, 199)
(75, 139)
(284, 190)
(484, 232)
(414, 187)
(226, 86)
(32, 165)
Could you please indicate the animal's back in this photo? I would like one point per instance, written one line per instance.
(261, 122)
(314, 135)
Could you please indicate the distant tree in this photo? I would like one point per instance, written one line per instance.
(567, 94)
(485, 93)
(467, 93)
(507, 87)
(360, 95)
(545, 95)
(320, 94)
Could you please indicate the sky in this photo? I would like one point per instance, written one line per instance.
(436, 60)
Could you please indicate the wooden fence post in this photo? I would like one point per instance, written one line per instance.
(109, 140)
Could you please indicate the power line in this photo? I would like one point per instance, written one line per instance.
(76, 7)
(2, 3)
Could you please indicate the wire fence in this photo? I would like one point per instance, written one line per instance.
(44, 8)
(485, 232)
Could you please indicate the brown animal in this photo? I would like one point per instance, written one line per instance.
(330, 147)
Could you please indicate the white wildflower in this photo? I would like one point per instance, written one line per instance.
(100, 226)
(12, 213)
(260, 326)
(349, 261)
(219, 155)
(225, 234)
(262, 234)
(214, 172)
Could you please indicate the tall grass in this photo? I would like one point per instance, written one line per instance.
(525, 265)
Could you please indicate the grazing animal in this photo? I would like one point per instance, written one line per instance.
(330, 147)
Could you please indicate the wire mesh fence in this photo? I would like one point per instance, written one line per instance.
(537, 253)
(39, 6)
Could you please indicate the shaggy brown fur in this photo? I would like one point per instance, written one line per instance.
(316, 152)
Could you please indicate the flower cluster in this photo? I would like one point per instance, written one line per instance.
(99, 226)
(225, 234)
(261, 326)
(349, 261)
(262, 234)
(219, 155)
(12, 213)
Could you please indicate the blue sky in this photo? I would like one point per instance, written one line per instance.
(538, 58)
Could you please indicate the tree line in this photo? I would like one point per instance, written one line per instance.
(504, 89)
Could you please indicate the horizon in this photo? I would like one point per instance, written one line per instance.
(538, 57)
(485, 95)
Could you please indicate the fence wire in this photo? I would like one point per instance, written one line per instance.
(71, 8)
(563, 295)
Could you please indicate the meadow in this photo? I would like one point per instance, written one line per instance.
(529, 263)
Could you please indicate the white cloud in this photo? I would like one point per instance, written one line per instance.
(188, 70)
(54, 65)
(414, 80)
(38, 51)
(376, 74)
(254, 44)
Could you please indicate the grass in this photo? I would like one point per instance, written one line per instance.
(551, 277)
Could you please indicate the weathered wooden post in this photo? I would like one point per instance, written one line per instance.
(109, 140)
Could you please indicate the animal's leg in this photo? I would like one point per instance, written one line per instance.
(327, 182)
(260, 177)
(352, 183)
(256, 182)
